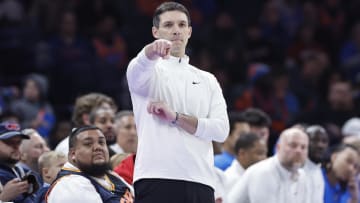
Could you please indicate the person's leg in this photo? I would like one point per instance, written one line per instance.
(159, 191)
(199, 193)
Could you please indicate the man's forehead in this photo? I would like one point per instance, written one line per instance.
(90, 134)
(170, 16)
(297, 138)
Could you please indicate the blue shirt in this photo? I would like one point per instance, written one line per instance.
(223, 160)
(334, 193)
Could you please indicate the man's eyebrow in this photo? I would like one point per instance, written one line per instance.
(88, 139)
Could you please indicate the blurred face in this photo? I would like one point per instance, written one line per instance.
(104, 119)
(319, 142)
(174, 26)
(9, 150)
(345, 164)
(293, 149)
(340, 95)
(126, 133)
(68, 24)
(51, 172)
(239, 128)
(33, 148)
(263, 132)
(90, 153)
(255, 154)
(31, 91)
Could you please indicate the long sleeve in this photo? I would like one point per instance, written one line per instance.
(139, 74)
(216, 126)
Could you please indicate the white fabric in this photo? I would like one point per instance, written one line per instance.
(73, 188)
(165, 150)
(267, 181)
(220, 185)
(233, 174)
(63, 146)
(117, 149)
(316, 181)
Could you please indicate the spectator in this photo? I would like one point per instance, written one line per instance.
(31, 150)
(340, 175)
(103, 118)
(83, 107)
(50, 164)
(86, 176)
(278, 179)
(237, 127)
(33, 108)
(126, 135)
(249, 149)
(12, 176)
(318, 146)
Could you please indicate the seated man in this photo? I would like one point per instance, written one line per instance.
(18, 184)
(86, 176)
(278, 179)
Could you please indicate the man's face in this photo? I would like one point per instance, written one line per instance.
(31, 91)
(9, 150)
(256, 153)
(104, 119)
(90, 152)
(35, 147)
(126, 133)
(174, 26)
(345, 164)
(239, 128)
(318, 145)
(261, 131)
(293, 149)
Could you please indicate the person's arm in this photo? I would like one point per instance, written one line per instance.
(140, 69)
(214, 127)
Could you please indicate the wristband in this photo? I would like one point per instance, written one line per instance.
(176, 118)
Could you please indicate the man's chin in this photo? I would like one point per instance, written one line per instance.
(95, 169)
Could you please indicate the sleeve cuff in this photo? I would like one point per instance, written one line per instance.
(200, 127)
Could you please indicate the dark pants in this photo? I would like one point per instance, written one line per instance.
(172, 191)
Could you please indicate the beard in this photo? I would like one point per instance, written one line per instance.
(94, 169)
(110, 137)
(9, 160)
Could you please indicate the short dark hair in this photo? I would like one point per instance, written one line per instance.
(235, 117)
(246, 141)
(169, 6)
(256, 117)
(75, 131)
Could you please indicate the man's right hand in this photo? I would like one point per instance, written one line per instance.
(158, 48)
(13, 188)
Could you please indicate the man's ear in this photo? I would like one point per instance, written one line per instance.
(154, 31)
(71, 156)
(190, 31)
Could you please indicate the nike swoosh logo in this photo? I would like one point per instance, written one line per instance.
(195, 83)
